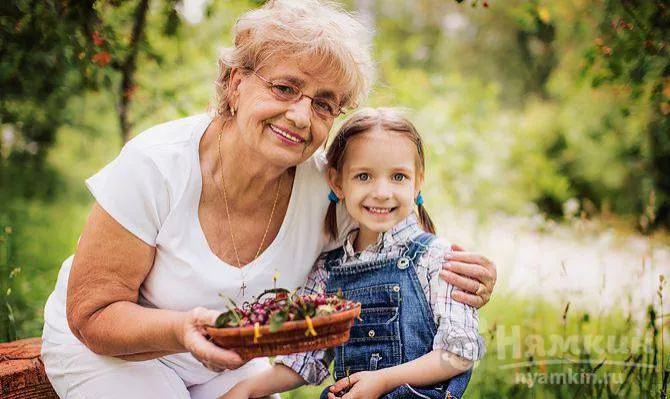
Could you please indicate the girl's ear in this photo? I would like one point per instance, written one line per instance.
(419, 184)
(335, 182)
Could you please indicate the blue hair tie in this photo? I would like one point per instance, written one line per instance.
(332, 197)
(419, 199)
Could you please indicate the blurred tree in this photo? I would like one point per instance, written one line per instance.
(51, 51)
(42, 63)
(632, 49)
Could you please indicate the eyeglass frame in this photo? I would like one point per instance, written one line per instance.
(272, 84)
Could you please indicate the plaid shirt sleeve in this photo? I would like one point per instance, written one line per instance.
(457, 323)
(312, 366)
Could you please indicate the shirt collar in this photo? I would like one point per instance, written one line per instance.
(399, 233)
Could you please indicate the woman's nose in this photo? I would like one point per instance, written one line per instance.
(300, 113)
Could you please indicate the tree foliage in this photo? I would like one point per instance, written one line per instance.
(632, 50)
(54, 50)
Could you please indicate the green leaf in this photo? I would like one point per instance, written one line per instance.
(228, 319)
(277, 321)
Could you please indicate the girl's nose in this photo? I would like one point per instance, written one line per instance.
(382, 190)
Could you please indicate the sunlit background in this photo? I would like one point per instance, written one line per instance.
(548, 132)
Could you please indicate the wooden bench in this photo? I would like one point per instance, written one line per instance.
(22, 372)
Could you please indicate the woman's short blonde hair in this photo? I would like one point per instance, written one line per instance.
(301, 28)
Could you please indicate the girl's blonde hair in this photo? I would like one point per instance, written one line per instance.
(301, 28)
(386, 120)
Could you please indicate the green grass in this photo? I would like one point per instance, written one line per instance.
(538, 323)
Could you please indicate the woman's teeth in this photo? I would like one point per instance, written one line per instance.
(286, 135)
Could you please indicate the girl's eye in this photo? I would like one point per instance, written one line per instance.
(398, 177)
(362, 177)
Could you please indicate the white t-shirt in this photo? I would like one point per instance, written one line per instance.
(153, 190)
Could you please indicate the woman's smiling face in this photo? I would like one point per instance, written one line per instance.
(285, 133)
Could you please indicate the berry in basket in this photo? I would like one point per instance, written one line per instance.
(285, 323)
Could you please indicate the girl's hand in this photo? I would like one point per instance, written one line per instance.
(473, 274)
(364, 385)
(239, 391)
(191, 334)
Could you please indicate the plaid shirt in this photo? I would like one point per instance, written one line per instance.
(457, 323)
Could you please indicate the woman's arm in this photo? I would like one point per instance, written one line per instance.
(278, 379)
(474, 275)
(431, 368)
(109, 266)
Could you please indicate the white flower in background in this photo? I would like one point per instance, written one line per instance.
(571, 208)
(6, 140)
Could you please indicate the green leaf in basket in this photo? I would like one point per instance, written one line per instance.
(277, 321)
(232, 305)
(228, 319)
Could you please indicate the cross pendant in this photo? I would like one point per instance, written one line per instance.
(243, 287)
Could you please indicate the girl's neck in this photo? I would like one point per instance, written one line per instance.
(365, 238)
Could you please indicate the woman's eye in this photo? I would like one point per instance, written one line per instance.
(285, 90)
(399, 177)
(323, 106)
(362, 177)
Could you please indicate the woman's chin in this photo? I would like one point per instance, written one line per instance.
(288, 155)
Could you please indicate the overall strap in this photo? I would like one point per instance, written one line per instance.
(333, 258)
(418, 246)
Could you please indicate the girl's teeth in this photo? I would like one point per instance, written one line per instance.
(379, 210)
(285, 135)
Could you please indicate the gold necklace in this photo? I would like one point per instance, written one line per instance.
(243, 287)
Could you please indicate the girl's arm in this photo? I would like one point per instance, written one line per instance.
(442, 365)
(431, 368)
(275, 380)
(312, 365)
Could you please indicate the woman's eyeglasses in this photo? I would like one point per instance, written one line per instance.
(284, 91)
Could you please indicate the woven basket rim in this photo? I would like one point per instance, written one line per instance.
(287, 326)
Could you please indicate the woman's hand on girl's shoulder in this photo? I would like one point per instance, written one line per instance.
(191, 334)
(473, 274)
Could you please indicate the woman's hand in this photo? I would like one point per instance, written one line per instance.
(191, 334)
(473, 274)
(363, 385)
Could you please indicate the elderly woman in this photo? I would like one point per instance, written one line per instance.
(212, 205)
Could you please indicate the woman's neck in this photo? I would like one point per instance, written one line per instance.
(247, 178)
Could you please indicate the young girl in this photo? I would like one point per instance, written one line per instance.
(413, 340)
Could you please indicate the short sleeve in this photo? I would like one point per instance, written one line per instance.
(133, 191)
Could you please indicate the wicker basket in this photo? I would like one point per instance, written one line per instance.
(332, 330)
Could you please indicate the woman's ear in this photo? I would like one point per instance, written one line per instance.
(234, 86)
(335, 182)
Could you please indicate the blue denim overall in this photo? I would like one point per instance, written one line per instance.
(396, 325)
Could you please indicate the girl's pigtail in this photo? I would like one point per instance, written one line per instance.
(424, 219)
(331, 221)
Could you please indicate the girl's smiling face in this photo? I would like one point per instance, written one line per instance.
(379, 181)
